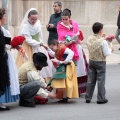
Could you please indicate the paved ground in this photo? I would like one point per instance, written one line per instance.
(77, 109)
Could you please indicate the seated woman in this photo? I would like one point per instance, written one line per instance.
(67, 28)
(65, 77)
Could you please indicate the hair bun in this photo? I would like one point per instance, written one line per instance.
(67, 10)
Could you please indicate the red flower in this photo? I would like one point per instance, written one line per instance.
(81, 37)
(18, 40)
(110, 37)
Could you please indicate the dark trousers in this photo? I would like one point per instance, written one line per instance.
(29, 90)
(96, 73)
(117, 35)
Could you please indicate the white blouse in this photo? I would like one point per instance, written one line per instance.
(68, 51)
(105, 48)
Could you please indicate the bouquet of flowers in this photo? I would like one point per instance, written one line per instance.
(110, 38)
(80, 36)
(17, 43)
(68, 38)
(77, 38)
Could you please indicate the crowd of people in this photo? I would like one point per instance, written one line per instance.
(58, 70)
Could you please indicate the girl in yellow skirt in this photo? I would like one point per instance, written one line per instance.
(65, 78)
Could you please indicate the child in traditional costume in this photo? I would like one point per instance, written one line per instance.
(65, 77)
(66, 29)
(98, 51)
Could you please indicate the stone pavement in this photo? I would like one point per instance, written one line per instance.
(75, 109)
(114, 58)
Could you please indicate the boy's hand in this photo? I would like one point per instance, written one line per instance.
(103, 35)
(112, 48)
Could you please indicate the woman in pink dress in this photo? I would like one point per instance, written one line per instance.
(68, 33)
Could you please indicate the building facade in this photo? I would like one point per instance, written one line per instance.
(84, 12)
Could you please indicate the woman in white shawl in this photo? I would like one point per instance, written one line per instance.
(31, 30)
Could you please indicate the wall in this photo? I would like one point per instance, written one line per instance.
(84, 12)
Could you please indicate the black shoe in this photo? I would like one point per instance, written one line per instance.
(64, 100)
(26, 104)
(4, 109)
(119, 49)
(36, 102)
(88, 101)
(102, 102)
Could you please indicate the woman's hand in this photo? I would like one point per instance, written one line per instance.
(68, 43)
(45, 46)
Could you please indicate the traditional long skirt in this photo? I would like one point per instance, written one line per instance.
(69, 84)
(7, 97)
(82, 80)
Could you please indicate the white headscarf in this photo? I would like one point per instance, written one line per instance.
(33, 28)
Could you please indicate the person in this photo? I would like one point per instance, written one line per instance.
(9, 85)
(117, 35)
(30, 80)
(54, 19)
(65, 78)
(31, 30)
(98, 50)
(67, 28)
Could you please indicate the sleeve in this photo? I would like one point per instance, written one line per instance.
(70, 55)
(31, 41)
(118, 20)
(50, 19)
(55, 24)
(54, 28)
(34, 76)
(48, 29)
(51, 53)
(25, 32)
(105, 48)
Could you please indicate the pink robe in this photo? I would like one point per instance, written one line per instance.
(63, 31)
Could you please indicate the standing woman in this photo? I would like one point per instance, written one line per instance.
(9, 86)
(67, 27)
(31, 30)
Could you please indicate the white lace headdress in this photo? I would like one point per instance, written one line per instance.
(37, 26)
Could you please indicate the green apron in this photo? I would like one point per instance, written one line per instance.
(59, 74)
(36, 37)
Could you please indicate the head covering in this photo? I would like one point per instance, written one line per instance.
(36, 28)
(40, 59)
(25, 19)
